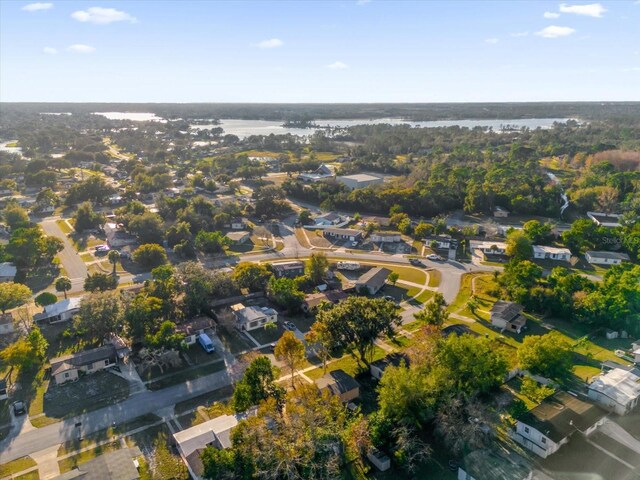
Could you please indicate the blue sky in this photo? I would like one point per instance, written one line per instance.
(314, 51)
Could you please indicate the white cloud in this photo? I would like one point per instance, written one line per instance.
(102, 16)
(551, 15)
(34, 7)
(271, 43)
(590, 10)
(491, 41)
(519, 34)
(80, 48)
(50, 50)
(337, 66)
(554, 31)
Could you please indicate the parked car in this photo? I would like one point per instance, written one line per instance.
(290, 326)
(416, 263)
(390, 298)
(272, 347)
(19, 408)
(206, 343)
(434, 257)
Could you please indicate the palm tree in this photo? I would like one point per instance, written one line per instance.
(63, 284)
(113, 257)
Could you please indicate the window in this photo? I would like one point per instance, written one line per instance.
(526, 429)
(66, 375)
(90, 367)
(106, 362)
(543, 439)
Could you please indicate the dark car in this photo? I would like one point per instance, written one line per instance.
(19, 408)
(415, 262)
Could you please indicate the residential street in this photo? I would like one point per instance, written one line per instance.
(71, 261)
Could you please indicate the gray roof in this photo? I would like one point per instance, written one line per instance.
(344, 231)
(495, 464)
(608, 255)
(63, 306)
(116, 465)
(374, 277)
(338, 381)
(506, 310)
(361, 177)
(7, 269)
(6, 318)
(67, 362)
(292, 265)
(393, 359)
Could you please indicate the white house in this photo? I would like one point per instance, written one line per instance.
(6, 324)
(349, 234)
(385, 237)
(551, 253)
(68, 368)
(617, 390)
(330, 219)
(117, 236)
(7, 272)
(237, 224)
(500, 212)
(508, 316)
(547, 427)
(605, 258)
(323, 172)
(59, 312)
(491, 248)
(359, 180)
(238, 237)
(250, 318)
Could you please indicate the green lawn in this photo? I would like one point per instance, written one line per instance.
(18, 465)
(266, 335)
(70, 463)
(346, 363)
(186, 375)
(33, 475)
(425, 296)
(64, 226)
(435, 277)
(87, 257)
(233, 341)
(465, 289)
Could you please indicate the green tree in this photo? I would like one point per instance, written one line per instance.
(150, 256)
(422, 230)
(142, 314)
(26, 352)
(519, 246)
(316, 267)
(211, 242)
(220, 464)
(356, 323)
(100, 314)
(63, 284)
(114, 257)
(319, 338)
(290, 350)
(45, 298)
(166, 337)
(434, 312)
(38, 343)
(253, 276)
(393, 278)
(148, 227)
(257, 384)
(100, 282)
(16, 216)
(86, 219)
(534, 391)
(284, 291)
(13, 295)
(537, 232)
(305, 217)
(549, 355)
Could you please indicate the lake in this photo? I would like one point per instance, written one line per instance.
(133, 116)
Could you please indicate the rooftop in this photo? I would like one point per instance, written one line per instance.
(375, 277)
(361, 177)
(553, 250)
(67, 362)
(609, 255)
(202, 435)
(618, 384)
(116, 465)
(62, 306)
(338, 381)
(506, 310)
(7, 269)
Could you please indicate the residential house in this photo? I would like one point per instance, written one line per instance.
(250, 318)
(340, 383)
(323, 172)
(443, 244)
(118, 465)
(385, 237)
(345, 234)
(238, 238)
(617, 390)
(551, 253)
(290, 269)
(68, 367)
(372, 281)
(490, 249)
(609, 220)
(378, 367)
(605, 258)
(547, 427)
(195, 327)
(3, 390)
(330, 219)
(237, 224)
(496, 464)
(7, 272)
(499, 212)
(213, 433)
(6, 324)
(508, 316)
(360, 180)
(117, 237)
(313, 300)
(635, 350)
(61, 311)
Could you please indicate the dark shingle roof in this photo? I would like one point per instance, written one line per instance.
(506, 310)
(374, 277)
(338, 381)
(83, 358)
(393, 359)
(116, 465)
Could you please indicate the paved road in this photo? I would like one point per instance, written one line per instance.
(147, 402)
(71, 261)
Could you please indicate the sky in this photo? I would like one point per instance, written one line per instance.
(319, 51)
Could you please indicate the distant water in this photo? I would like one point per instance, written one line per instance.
(5, 148)
(133, 116)
(245, 128)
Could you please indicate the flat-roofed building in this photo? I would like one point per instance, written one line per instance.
(359, 180)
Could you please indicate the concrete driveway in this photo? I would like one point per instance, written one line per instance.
(71, 261)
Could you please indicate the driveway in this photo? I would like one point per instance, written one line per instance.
(71, 261)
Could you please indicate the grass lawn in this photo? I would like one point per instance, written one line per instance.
(302, 239)
(400, 292)
(425, 296)
(33, 475)
(18, 465)
(87, 257)
(186, 375)
(64, 226)
(435, 277)
(267, 335)
(146, 439)
(70, 463)
(302, 322)
(219, 395)
(233, 341)
(465, 290)
(346, 363)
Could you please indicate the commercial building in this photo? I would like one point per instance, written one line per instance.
(360, 180)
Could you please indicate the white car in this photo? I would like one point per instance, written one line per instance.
(433, 256)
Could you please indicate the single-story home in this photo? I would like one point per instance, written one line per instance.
(6, 324)
(7, 272)
(312, 300)
(605, 258)
(118, 465)
(3, 390)
(329, 219)
(340, 383)
(195, 327)
(635, 350)
(372, 281)
(551, 253)
(117, 236)
(359, 180)
(290, 269)
(250, 318)
(215, 432)
(496, 464)
(609, 220)
(238, 238)
(500, 212)
(385, 237)
(323, 172)
(617, 390)
(347, 234)
(491, 248)
(378, 367)
(61, 311)
(237, 224)
(68, 367)
(508, 316)
(547, 427)
(439, 242)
